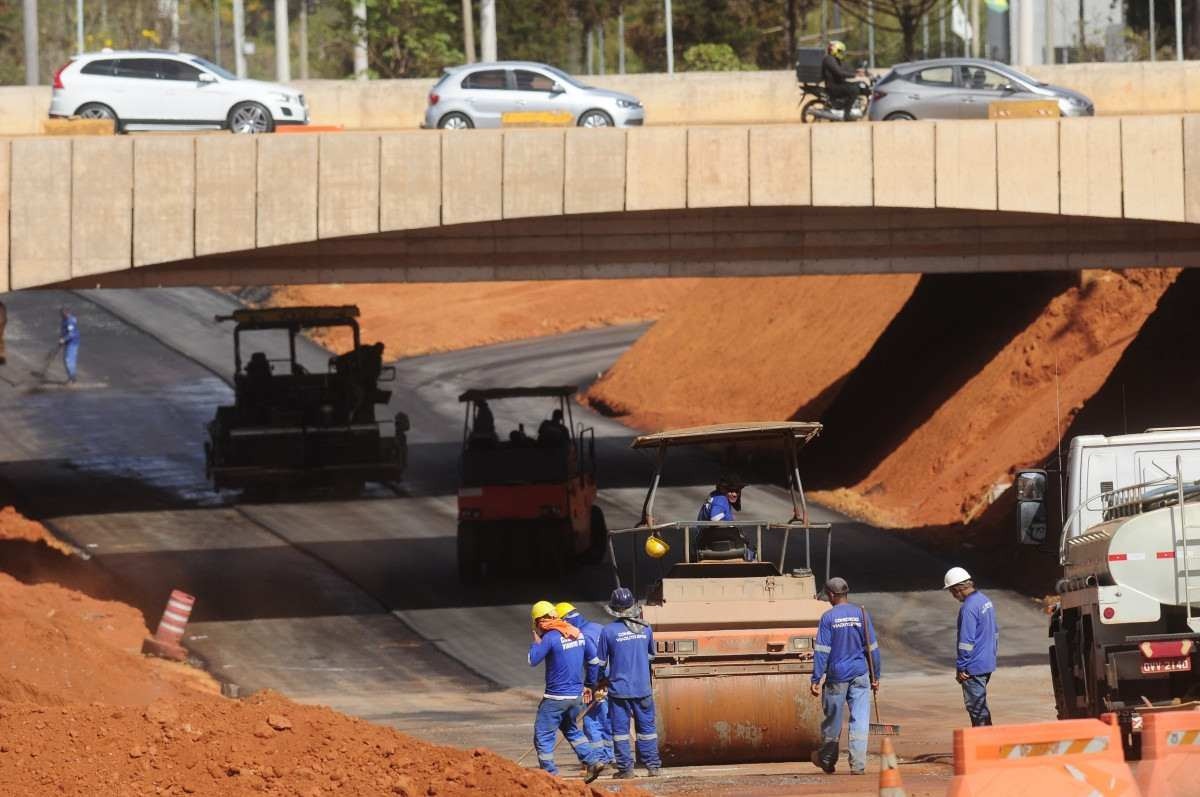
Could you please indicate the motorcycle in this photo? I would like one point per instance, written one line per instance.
(817, 107)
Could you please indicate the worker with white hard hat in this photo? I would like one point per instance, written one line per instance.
(978, 639)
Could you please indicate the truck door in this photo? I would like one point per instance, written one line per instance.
(1099, 476)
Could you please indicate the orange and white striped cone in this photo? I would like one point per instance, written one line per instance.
(167, 638)
(890, 784)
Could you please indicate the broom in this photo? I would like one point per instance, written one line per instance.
(877, 728)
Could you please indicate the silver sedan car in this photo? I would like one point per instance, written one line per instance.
(962, 88)
(478, 95)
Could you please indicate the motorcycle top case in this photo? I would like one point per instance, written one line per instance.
(808, 64)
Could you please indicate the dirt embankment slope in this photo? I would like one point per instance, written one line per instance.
(930, 395)
(414, 319)
(751, 349)
(83, 713)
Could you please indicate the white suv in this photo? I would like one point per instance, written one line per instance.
(142, 90)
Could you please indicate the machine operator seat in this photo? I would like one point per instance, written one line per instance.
(720, 544)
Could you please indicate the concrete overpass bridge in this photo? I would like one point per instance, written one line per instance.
(560, 204)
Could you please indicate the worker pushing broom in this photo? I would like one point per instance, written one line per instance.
(847, 657)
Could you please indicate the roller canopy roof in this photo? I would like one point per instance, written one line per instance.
(271, 317)
(491, 393)
(750, 431)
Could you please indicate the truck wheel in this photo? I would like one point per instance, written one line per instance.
(599, 538)
(470, 567)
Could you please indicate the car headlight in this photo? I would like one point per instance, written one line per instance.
(628, 104)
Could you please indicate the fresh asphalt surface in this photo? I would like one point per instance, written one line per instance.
(356, 603)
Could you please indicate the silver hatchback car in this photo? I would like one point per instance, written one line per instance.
(478, 95)
(962, 88)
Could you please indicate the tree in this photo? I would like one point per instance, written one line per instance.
(408, 38)
(712, 58)
(897, 16)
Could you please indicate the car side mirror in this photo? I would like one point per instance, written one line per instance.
(205, 77)
(1030, 487)
(557, 88)
(1009, 88)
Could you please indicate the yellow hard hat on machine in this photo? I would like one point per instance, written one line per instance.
(563, 609)
(656, 547)
(541, 609)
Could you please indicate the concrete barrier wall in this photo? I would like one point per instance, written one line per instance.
(130, 202)
(688, 98)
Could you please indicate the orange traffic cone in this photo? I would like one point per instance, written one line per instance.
(890, 784)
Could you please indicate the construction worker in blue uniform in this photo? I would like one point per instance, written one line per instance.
(845, 634)
(68, 338)
(722, 504)
(627, 646)
(978, 640)
(596, 725)
(565, 651)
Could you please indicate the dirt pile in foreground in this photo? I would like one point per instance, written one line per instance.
(83, 713)
(414, 319)
(751, 349)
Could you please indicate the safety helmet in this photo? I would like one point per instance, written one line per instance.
(563, 609)
(956, 576)
(837, 49)
(622, 603)
(656, 547)
(541, 609)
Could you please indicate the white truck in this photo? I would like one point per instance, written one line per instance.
(1126, 630)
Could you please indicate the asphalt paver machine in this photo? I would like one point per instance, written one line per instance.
(289, 427)
(733, 630)
(526, 500)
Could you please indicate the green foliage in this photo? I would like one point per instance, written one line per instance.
(408, 38)
(713, 58)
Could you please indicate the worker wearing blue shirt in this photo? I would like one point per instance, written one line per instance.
(627, 646)
(978, 640)
(596, 725)
(68, 338)
(844, 635)
(565, 650)
(723, 504)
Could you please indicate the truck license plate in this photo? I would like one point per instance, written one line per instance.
(1181, 664)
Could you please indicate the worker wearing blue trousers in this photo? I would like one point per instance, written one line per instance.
(68, 338)
(627, 646)
(596, 725)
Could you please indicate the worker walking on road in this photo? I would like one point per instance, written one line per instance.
(566, 652)
(627, 645)
(845, 634)
(978, 639)
(68, 338)
(3, 324)
(596, 725)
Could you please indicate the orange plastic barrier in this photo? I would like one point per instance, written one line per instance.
(1170, 765)
(1069, 758)
(309, 129)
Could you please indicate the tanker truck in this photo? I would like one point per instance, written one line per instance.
(1125, 633)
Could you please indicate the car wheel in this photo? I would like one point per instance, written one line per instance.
(98, 110)
(899, 116)
(808, 115)
(455, 121)
(595, 118)
(250, 117)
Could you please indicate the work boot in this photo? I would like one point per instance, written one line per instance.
(593, 771)
(653, 772)
(623, 774)
(828, 769)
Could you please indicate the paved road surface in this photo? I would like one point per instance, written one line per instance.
(356, 603)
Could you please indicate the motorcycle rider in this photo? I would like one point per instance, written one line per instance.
(840, 81)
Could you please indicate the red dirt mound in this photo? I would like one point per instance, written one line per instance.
(263, 745)
(413, 319)
(83, 713)
(743, 349)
